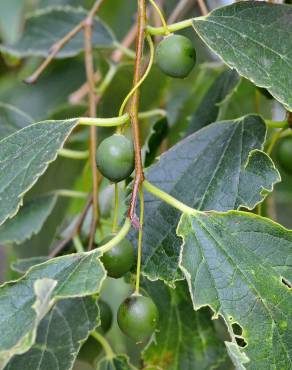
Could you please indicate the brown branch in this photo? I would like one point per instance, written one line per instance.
(74, 232)
(203, 7)
(88, 23)
(116, 57)
(134, 107)
(60, 44)
(180, 10)
(52, 53)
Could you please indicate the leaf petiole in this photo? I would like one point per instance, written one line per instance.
(105, 344)
(73, 154)
(171, 27)
(117, 238)
(70, 193)
(169, 199)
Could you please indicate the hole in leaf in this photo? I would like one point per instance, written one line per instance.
(237, 329)
(287, 283)
(241, 342)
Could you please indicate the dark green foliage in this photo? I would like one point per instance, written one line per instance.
(106, 316)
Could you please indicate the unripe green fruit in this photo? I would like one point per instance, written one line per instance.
(120, 259)
(284, 154)
(115, 158)
(106, 316)
(137, 317)
(176, 56)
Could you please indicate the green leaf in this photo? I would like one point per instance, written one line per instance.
(119, 362)
(76, 275)
(24, 157)
(59, 336)
(185, 339)
(157, 135)
(12, 119)
(220, 167)
(11, 19)
(28, 221)
(240, 265)
(23, 264)
(255, 38)
(46, 27)
(212, 103)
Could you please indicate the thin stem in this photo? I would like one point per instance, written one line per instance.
(159, 12)
(104, 122)
(139, 83)
(257, 101)
(70, 193)
(78, 244)
(277, 124)
(128, 52)
(274, 140)
(104, 343)
(88, 23)
(151, 113)
(140, 236)
(53, 52)
(107, 79)
(171, 27)
(134, 107)
(203, 7)
(59, 247)
(182, 8)
(116, 209)
(117, 238)
(169, 199)
(120, 120)
(73, 154)
(116, 57)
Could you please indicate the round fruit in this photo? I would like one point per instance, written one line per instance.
(284, 154)
(120, 259)
(106, 316)
(176, 56)
(115, 158)
(137, 317)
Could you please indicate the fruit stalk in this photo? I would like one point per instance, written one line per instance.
(134, 107)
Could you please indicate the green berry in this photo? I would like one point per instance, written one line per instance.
(106, 316)
(115, 158)
(284, 154)
(120, 259)
(176, 56)
(137, 317)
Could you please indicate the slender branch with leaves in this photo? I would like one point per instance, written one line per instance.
(154, 183)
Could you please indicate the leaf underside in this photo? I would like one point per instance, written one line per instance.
(24, 157)
(235, 262)
(46, 27)
(59, 336)
(28, 221)
(255, 38)
(77, 275)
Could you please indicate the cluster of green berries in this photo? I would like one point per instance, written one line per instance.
(137, 315)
